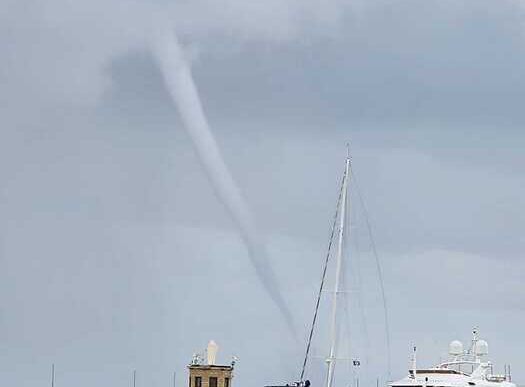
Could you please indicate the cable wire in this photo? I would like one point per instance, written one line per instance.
(325, 267)
(379, 273)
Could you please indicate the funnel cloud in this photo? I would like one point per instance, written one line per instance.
(180, 84)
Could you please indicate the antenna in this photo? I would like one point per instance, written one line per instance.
(174, 377)
(472, 349)
(53, 375)
(414, 363)
(134, 377)
(508, 377)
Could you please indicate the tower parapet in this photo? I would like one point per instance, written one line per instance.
(210, 374)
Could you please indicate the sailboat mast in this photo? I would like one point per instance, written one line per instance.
(333, 332)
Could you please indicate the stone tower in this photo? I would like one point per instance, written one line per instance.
(210, 374)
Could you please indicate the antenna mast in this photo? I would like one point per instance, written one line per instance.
(414, 363)
(342, 217)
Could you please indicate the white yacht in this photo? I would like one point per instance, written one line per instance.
(465, 368)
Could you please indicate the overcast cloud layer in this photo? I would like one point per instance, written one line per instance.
(114, 252)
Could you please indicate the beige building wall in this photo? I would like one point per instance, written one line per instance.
(205, 372)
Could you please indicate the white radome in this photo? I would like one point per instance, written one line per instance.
(482, 348)
(455, 348)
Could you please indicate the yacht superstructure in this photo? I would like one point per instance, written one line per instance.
(465, 368)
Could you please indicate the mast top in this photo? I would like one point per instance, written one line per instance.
(348, 153)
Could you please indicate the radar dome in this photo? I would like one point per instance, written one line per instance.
(482, 348)
(455, 348)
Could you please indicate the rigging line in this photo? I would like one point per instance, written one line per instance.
(348, 324)
(325, 267)
(379, 274)
(346, 306)
(360, 292)
(356, 268)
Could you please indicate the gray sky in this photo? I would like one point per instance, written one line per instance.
(114, 252)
